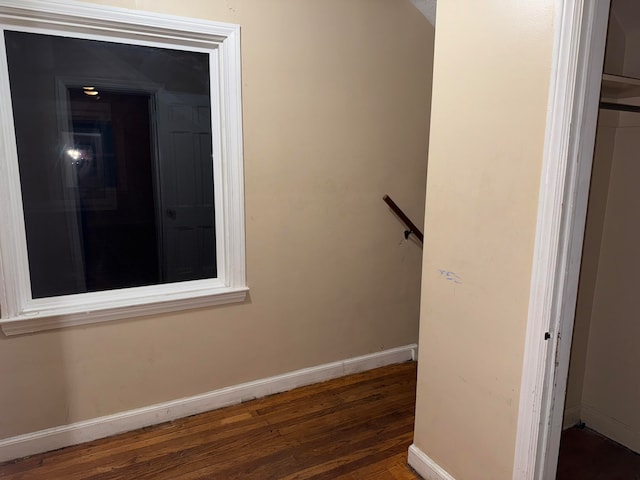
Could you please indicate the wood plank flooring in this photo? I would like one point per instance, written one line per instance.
(355, 427)
(587, 455)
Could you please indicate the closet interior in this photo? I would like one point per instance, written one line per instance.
(603, 391)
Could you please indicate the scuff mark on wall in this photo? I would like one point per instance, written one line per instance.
(450, 276)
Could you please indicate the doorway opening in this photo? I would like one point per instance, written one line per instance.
(601, 422)
(113, 170)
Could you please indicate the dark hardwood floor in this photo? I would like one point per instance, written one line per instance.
(587, 455)
(355, 427)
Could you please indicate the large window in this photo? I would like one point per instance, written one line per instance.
(122, 145)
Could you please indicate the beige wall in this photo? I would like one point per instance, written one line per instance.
(601, 170)
(491, 75)
(632, 46)
(611, 391)
(614, 57)
(336, 114)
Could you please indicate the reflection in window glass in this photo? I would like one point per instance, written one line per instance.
(115, 155)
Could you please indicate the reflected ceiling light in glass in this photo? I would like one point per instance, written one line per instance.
(74, 153)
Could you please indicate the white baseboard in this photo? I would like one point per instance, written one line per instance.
(571, 417)
(425, 466)
(611, 427)
(79, 432)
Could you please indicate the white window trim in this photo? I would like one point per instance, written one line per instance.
(20, 313)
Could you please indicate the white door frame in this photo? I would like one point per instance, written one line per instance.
(564, 188)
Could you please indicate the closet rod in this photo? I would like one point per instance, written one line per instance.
(621, 107)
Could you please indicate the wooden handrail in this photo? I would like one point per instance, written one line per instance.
(398, 211)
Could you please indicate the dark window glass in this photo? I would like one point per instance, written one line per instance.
(115, 156)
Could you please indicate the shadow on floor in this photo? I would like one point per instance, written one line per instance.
(587, 455)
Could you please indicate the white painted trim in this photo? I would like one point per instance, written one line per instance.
(561, 214)
(582, 143)
(20, 312)
(546, 250)
(116, 20)
(87, 314)
(588, 78)
(425, 466)
(79, 432)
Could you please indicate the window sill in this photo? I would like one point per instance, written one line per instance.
(70, 18)
(54, 313)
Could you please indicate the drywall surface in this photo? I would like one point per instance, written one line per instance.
(611, 392)
(602, 160)
(490, 93)
(336, 114)
(614, 57)
(631, 60)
